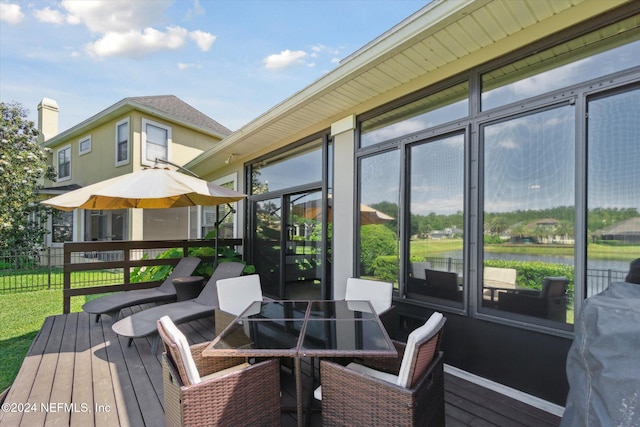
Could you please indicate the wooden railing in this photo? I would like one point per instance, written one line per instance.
(123, 255)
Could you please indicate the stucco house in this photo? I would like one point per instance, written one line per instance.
(465, 108)
(128, 136)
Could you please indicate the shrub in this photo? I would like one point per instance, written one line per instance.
(531, 274)
(375, 240)
(386, 268)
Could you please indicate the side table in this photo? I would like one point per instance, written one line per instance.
(188, 287)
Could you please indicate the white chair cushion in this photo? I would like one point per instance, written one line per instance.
(183, 346)
(378, 293)
(235, 294)
(225, 372)
(416, 336)
(390, 378)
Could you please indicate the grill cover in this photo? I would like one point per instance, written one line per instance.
(603, 364)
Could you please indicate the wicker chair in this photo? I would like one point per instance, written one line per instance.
(380, 295)
(215, 391)
(403, 391)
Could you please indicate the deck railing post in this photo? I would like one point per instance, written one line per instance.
(66, 285)
(49, 267)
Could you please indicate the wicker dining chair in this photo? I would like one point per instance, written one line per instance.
(403, 391)
(380, 295)
(215, 391)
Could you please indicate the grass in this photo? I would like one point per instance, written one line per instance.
(21, 316)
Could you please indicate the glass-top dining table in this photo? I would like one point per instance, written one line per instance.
(299, 329)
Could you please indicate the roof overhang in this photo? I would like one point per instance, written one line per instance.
(443, 39)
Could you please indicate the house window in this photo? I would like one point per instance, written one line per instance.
(426, 112)
(84, 145)
(105, 225)
(301, 165)
(379, 216)
(613, 186)
(589, 57)
(529, 214)
(62, 226)
(436, 226)
(155, 142)
(122, 142)
(64, 163)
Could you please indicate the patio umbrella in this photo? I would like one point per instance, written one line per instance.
(313, 210)
(153, 188)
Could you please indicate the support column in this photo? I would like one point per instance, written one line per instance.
(343, 133)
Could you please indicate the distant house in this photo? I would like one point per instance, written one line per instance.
(126, 137)
(627, 231)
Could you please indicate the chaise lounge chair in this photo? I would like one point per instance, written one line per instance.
(144, 323)
(166, 292)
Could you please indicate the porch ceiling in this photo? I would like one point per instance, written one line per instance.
(440, 40)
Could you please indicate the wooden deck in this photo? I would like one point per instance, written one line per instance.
(80, 373)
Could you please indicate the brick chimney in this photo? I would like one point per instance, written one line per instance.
(47, 119)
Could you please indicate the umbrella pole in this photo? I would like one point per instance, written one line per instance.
(217, 226)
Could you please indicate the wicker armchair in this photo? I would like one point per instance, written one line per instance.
(380, 294)
(405, 391)
(216, 391)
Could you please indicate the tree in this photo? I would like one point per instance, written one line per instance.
(23, 168)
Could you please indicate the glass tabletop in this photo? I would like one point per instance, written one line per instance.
(307, 328)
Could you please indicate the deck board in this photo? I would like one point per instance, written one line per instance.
(74, 359)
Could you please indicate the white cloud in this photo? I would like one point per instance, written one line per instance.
(11, 13)
(105, 16)
(202, 39)
(49, 16)
(285, 59)
(127, 29)
(135, 44)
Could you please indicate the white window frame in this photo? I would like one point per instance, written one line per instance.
(146, 122)
(58, 151)
(80, 142)
(118, 124)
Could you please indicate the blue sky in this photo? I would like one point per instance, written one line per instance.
(232, 60)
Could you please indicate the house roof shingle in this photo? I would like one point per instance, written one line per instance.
(169, 107)
(174, 106)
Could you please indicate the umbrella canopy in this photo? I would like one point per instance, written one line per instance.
(154, 188)
(313, 210)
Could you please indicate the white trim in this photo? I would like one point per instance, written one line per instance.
(127, 160)
(80, 141)
(521, 396)
(145, 122)
(68, 177)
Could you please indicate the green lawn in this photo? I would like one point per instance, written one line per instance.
(21, 316)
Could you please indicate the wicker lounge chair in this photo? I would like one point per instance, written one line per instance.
(379, 294)
(166, 292)
(144, 323)
(404, 391)
(202, 391)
